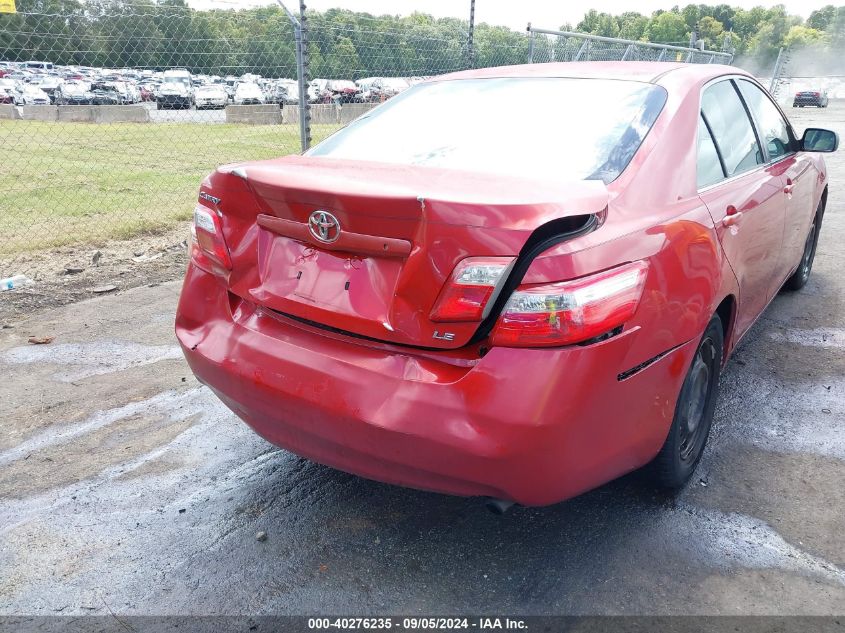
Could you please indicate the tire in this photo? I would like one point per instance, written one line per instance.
(684, 445)
(802, 274)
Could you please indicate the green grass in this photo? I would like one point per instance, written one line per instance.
(83, 183)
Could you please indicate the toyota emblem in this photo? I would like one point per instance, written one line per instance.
(324, 226)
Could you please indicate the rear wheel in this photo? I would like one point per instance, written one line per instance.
(690, 428)
(799, 278)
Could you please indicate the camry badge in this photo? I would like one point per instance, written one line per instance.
(324, 226)
(209, 197)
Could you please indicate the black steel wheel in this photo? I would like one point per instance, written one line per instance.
(694, 408)
(802, 274)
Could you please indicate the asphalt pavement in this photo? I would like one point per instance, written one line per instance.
(127, 488)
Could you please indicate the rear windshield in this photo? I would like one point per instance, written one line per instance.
(547, 128)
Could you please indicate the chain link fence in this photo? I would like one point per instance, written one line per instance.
(112, 111)
(563, 46)
(112, 114)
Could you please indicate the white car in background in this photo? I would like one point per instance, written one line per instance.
(248, 94)
(317, 92)
(33, 95)
(9, 93)
(176, 90)
(210, 96)
(49, 84)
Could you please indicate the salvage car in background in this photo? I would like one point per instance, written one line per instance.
(127, 93)
(176, 90)
(74, 93)
(49, 85)
(383, 88)
(33, 95)
(211, 96)
(8, 91)
(522, 315)
(248, 94)
(342, 91)
(147, 92)
(104, 93)
(816, 98)
(285, 92)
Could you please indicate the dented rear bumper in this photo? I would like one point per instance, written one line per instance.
(532, 425)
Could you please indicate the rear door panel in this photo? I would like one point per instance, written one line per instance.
(752, 244)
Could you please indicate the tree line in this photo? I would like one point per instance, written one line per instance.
(350, 45)
(757, 33)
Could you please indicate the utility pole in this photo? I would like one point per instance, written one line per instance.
(531, 44)
(470, 49)
(773, 84)
(303, 75)
(300, 34)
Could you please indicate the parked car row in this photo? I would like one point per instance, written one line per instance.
(366, 90)
(29, 83)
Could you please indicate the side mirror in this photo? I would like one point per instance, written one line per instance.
(819, 140)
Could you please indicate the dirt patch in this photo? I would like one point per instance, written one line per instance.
(65, 275)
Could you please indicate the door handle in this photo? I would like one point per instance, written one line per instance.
(732, 216)
(789, 187)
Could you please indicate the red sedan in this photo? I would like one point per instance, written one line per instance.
(520, 304)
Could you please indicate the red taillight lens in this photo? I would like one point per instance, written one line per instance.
(468, 291)
(818, 94)
(571, 311)
(208, 248)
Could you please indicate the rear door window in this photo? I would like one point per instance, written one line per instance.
(732, 129)
(772, 127)
(709, 164)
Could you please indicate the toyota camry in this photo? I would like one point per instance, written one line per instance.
(520, 304)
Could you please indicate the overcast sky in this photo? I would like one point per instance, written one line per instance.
(513, 13)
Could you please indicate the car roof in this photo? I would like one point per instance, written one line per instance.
(651, 72)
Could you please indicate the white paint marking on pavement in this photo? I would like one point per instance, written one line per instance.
(818, 337)
(91, 359)
(731, 539)
(173, 405)
(787, 417)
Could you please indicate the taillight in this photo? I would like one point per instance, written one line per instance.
(208, 248)
(469, 289)
(571, 311)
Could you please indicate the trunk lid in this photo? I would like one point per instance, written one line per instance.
(402, 229)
